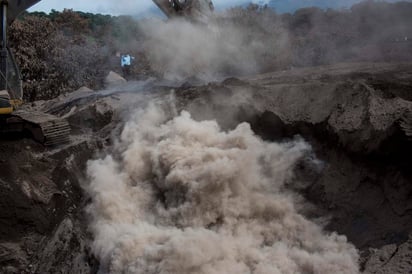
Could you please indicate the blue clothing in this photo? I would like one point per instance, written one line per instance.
(126, 60)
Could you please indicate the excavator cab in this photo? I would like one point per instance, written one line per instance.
(44, 128)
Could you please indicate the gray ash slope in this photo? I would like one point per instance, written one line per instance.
(351, 114)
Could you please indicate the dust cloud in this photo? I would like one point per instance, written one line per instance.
(179, 49)
(177, 195)
(254, 39)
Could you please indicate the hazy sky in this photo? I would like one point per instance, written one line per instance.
(140, 7)
(114, 7)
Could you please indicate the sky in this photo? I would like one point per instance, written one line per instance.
(142, 7)
(114, 7)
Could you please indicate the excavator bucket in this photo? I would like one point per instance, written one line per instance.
(198, 10)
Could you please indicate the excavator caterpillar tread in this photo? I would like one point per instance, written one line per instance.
(55, 132)
(45, 128)
(406, 124)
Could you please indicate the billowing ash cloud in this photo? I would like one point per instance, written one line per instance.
(182, 196)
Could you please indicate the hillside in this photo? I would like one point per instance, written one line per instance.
(67, 50)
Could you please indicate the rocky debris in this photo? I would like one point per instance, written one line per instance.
(352, 114)
(84, 89)
(11, 257)
(68, 249)
(391, 259)
(348, 100)
(40, 189)
(92, 117)
(360, 113)
(113, 79)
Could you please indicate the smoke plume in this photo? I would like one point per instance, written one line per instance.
(183, 196)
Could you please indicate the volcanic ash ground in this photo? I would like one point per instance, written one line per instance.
(182, 196)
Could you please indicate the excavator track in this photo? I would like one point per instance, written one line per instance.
(406, 124)
(44, 128)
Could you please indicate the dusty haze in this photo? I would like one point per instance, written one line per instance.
(179, 49)
(244, 41)
(183, 196)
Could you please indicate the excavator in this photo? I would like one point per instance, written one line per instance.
(46, 128)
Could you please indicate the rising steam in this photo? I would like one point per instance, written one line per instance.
(182, 196)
